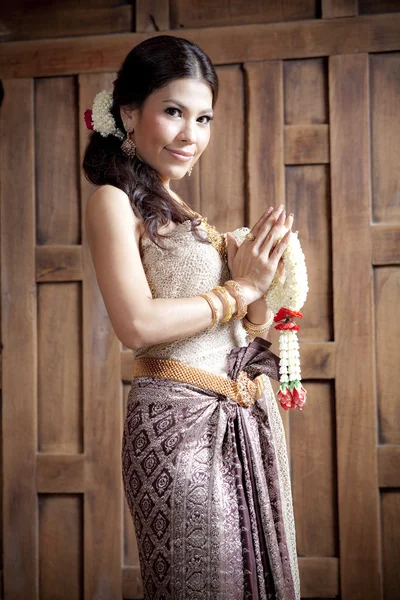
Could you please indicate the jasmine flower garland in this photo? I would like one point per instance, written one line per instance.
(285, 300)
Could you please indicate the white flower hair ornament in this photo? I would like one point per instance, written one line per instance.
(285, 299)
(100, 119)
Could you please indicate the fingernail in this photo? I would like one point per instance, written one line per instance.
(291, 215)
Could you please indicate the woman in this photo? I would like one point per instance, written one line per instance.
(204, 460)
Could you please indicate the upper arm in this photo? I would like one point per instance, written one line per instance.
(113, 233)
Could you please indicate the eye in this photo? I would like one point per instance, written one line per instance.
(172, 108)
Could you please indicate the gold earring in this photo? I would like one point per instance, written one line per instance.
(128, 147)
(190, 171)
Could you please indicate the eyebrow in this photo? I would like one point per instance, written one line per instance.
(183, 107)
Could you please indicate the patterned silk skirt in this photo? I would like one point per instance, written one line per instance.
(208, 486)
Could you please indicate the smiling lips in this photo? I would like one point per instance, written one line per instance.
(179, 155)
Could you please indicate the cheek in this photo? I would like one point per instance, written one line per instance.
(163, 129)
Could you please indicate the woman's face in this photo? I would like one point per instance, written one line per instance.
(174, 118)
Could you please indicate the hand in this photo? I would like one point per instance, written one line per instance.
(254, 263)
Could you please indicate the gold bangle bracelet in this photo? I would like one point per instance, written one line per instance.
(241, 302)
(224, 295)
(255, 329)
(214, 310)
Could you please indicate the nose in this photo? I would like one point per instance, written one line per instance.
(188, 133)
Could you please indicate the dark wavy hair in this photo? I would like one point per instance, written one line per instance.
(150, 65)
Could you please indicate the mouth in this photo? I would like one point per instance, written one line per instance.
(179, 155)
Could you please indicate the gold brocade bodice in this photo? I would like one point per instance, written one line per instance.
(186, 268)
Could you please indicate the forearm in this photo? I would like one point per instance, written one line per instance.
(168, 319)
(259, 313)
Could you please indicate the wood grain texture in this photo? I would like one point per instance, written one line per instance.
(19, 319)
(24, 20)
(385, 244)
(151, 15)
(354, 385)
(313, 463)
(59, 408)
(389, 468)
(56, 168)
(390, 511)
(308, 197)
(60, 473)
(222, 165)
(306, 144)
(58, 263)
(102, 417)
(387, 294)
(206, 13)
(385, 137)
(319, 577)
(60, 546)
(333, 9)
(265, 171)
(306, 91)
(225, 45)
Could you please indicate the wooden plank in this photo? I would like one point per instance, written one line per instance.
(152, 15)
(57, 213)
(385, 137)
(317, 359)
(224, 205)
(334, 9)
(390, 510)
(389, 466)
(60, 547)
(313, 466)
(385, 244)
(374, 7)
(31, 20)
(308, 194)
(59, 408)
(58, 263)
(306, 91)
(60, 473)
(224, 45)
(319, 577)
(354, 336)
(206, 14)
(306, 144)
(265, 145)
(387, 326)
(102, 415)
(19, 314)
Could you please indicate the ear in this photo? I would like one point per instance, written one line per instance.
(129, 116)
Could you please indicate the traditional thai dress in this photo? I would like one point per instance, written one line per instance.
(206, 479)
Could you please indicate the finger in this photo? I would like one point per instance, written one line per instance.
(270, 234)
(289, 220)
(281, 246)
(270, 214)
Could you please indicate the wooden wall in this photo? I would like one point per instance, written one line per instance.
(309, 116)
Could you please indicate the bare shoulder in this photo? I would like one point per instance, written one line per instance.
(108, 201)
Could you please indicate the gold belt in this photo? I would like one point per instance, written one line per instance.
(243, 390)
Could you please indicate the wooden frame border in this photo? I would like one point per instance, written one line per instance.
(225, 45)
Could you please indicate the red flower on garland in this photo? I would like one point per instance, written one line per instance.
(292, 396)
(287, 326)
(285, 399)
(299, 396)
(88, 118)
(283, 313)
